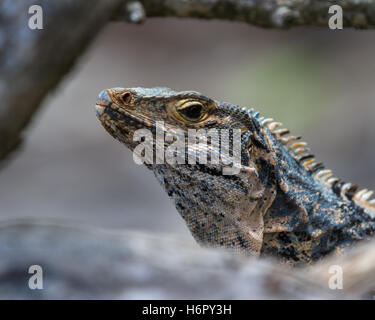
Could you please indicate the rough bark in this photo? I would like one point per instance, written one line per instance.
(87, 263)
(91, 263)
(267, 13)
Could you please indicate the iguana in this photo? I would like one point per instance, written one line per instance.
(280, 203)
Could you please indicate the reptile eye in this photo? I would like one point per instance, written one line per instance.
(191, 110)
(126, 97)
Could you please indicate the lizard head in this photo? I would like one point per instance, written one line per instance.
(220, 208)
(124, 111)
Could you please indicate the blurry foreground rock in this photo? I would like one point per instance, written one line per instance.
(80, 262)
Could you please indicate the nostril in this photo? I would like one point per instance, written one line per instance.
(103, 95)
(103, 98)
(126, 97)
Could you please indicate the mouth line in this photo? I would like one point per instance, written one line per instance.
(133, 120)
(102, 104)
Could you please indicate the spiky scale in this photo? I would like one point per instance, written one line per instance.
(273, 125)
(298, 145)
(367, 195)
(281, 132)
(289, 139)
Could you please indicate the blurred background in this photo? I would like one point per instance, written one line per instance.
(318, 82)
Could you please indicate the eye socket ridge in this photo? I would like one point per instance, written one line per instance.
(191, 110)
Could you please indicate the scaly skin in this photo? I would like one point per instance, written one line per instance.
(280, 203)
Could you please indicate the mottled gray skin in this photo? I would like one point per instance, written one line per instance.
(273, 206)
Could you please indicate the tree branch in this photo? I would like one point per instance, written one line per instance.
(135, 267)
(32, 62)
(267, 13)
(89, 263)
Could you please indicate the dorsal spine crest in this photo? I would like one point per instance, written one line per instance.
(301, 153)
